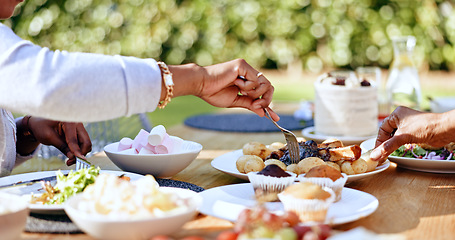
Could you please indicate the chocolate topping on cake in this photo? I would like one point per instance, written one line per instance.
(365, 83)
(273, 171)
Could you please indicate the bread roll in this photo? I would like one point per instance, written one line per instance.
(371, 165)
(347, 168)
(307, 163)
(293, 168)
(359, 166)
(256, 148)
(240, 163)
(275, 146)
(243, 160)
(254, 165)
(276, 162)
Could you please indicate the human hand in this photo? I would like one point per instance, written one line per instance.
(229, 84)
(222, 86)
(406, 125)
(70, 138)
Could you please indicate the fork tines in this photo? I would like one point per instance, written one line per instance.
(80, 164)
(291, 140)
(293, 148)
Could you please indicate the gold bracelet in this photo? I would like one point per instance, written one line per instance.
(166, 75)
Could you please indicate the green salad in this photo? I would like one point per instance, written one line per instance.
(67, 185)
(416, 151)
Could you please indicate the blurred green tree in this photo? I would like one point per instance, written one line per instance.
(267, 33)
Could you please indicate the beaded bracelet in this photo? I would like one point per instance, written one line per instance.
(168, 82)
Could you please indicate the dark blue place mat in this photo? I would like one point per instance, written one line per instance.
(244, 123)
(178, 184)
(45, 223)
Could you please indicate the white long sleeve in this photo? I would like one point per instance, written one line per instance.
(74, 86)
(79, 87)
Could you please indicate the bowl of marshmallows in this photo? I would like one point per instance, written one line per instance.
(155, 152)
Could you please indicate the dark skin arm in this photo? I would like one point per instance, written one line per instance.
(70, 138)
(407, 125)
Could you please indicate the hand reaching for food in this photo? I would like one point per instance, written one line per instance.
(407, 125)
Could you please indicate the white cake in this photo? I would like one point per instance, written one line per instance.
(345, 110)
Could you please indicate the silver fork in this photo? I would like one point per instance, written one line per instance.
(291, 140)
(81, 163)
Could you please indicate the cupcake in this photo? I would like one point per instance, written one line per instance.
(326, 176)
(269, 182)
(308, 200)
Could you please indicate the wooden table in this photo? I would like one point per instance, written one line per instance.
(412, 204)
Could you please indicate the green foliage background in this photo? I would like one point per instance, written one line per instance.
(267, 33)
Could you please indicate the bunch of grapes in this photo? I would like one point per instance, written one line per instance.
(258, 222)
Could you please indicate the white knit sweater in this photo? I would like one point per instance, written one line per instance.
(79, 87)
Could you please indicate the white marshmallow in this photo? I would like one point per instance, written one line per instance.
(156, 136)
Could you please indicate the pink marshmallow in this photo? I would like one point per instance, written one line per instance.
(140, 140)
(166, 146)
(150, 148)
(125, 143)
(145, 151)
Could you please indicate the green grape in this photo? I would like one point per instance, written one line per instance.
(262, 232)
(286, 234)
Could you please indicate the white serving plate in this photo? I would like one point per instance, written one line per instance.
(423, 165)
(309, 134)
(228, 201)
(226, 163)
(26, 190)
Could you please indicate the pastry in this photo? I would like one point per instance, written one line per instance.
(308, 200)
(326, 176)
(269, 182)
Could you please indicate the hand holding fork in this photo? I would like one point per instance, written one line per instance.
(291, 140)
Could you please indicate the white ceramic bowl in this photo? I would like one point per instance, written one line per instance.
(158, 165)
(13, 215)
(101, 227)
(442, 104)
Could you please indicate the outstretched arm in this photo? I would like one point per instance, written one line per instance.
(406, 125)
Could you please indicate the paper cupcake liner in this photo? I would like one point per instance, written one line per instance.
(308, 210)
(336, 186)
(266, 188)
